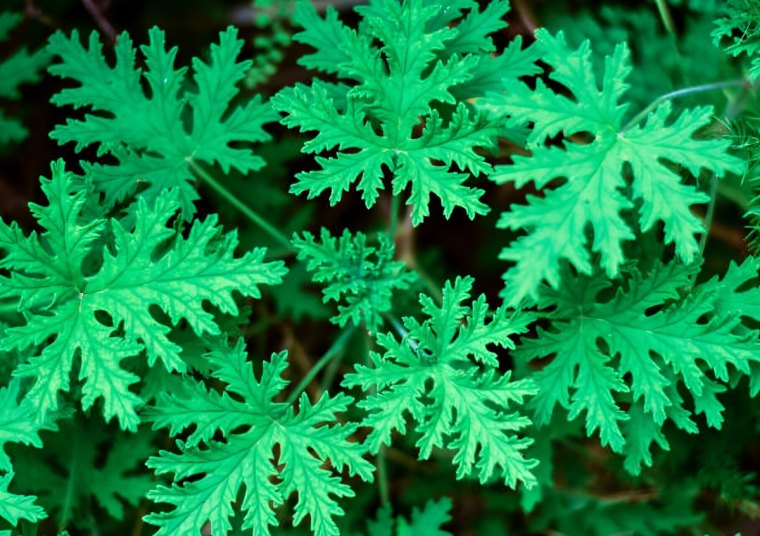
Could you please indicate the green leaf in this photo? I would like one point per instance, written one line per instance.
(606, 351)
(233, 443)
(19, 423)
(425, 522)
(155, 135)
(737, 31)
(85, 464)
(19, 68)
(14, 508)
(87, 289)
(396, 114)
(443, 373)
(593, 189)
(362, 276)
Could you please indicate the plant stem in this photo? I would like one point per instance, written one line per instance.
(336, 347)
(382, 477)
(710, 214)
(713, 86)
(381, 460)
(667, 19)
(393, 219)
(244, 209)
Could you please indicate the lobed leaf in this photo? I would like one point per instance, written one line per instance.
(87, 295)
(233, 444)
(444, 375)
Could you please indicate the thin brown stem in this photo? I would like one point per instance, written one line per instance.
(100, 19)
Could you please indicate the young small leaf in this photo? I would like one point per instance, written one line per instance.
(362, 276)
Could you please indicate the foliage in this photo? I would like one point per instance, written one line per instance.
(18, 424)
(363, 275)
(73, 456)
(591, 193)
(21, 67)
(372, 123)
(305, 440)
(444, 375)
(82, 296)
(425, 522)
(738, 32)
(613, 386)
(605, 349)
(157, 137)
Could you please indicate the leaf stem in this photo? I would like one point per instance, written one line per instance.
(393, 219)
(713, 86)
(381, 458)
(709, 215)
(244, 209)
(336, 347)
(382, 477)
(666, 17)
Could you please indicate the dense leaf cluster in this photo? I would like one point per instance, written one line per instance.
(133, 320)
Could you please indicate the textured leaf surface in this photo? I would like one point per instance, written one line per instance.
(155, 135)
(397, 111)
(444, 375)
(19, 423)
(14, 507)
(607, 351)
(362, 277)
(232, 445)
(86, 290)
(585, 185)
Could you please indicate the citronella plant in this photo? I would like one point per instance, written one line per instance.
(164, 373)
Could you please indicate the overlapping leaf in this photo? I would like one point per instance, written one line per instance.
(21, 67)
(424, 522)
(446, 377)
(87, 289)
(606, 353)
(85, 464)
(400, 108)
(737, 31)
(19, 423)
(593, 189)
(232, 445)
(156, 135)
